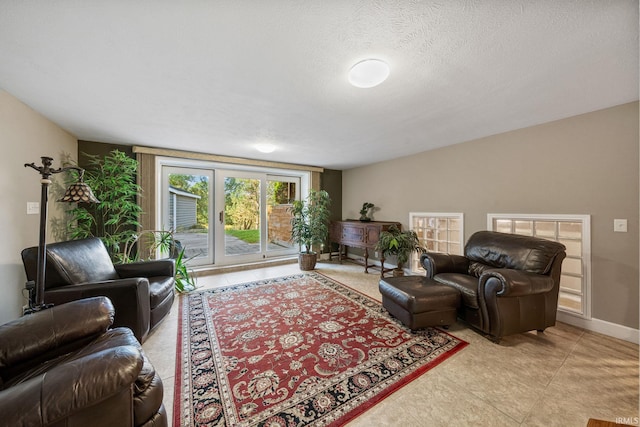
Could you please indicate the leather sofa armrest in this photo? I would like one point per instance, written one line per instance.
(152, 268)
(45, 331)
(506, 282)
(130, 298)
(70, 387)
(436, 263)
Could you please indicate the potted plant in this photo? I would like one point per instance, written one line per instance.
(364, 212)
(115, 218)
(310, 226)
(164, 242)
(401, 244)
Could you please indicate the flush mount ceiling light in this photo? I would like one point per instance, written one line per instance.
(368, 73)
(265, 147)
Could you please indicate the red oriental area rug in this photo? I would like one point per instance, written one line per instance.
(293, 351)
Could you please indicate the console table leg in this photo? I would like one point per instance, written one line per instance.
(366, 260)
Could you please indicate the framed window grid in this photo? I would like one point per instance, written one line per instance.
(438, 232)
(573, 231)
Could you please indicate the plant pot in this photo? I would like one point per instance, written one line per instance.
(398, 272)
(307, 262)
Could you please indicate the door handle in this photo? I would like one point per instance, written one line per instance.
(221, 217)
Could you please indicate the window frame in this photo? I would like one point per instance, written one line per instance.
(585, 220)
(414, 263)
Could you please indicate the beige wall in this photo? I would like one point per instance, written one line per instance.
(586, 164)
(25, 136)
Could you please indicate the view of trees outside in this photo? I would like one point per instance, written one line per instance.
(281, 193)
(242, 204)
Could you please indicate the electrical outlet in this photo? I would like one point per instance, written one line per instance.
(33, 208)
(620, 225)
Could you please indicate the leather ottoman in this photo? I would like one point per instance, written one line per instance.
(419, 302)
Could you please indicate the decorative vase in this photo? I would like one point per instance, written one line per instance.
(307, 262)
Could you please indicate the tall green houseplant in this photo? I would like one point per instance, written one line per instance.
(310, 225)
(116, 218)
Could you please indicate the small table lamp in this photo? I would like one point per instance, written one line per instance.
(76, 193)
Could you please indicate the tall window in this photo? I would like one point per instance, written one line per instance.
(438, 232)
(573, 231)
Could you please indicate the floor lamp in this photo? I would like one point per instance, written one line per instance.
(76, 193)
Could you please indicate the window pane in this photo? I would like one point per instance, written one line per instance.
(546, 229)
(571, 302)
(570, 282)
(454, 248)
(503, 225)
(574, 247)
(242, 215)
(570, 229)
(189, 212)
(441, 234)
(572, 266)
(524, 227)
(454, 224)
(280, 195)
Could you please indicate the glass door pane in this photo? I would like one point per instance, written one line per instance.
(241, 216)
(281, 192)
(186, 205)
(253, 219)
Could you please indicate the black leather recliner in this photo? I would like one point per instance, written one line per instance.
(142, 292)
(509, 283)
(63, 367)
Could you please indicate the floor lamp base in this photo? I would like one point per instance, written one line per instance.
(36, 308)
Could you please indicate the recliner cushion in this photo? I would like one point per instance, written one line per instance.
(81, 261)
(467, 285)
(502, 250)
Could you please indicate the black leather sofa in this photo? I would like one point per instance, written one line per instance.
(63, 367)
(142, 292)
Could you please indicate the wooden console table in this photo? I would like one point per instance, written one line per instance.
(358, 234)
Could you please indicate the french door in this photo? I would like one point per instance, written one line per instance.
(226, 217)
(253, 220)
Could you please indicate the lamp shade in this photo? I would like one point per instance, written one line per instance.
(79, 193)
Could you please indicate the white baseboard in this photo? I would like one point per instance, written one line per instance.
(602, 327)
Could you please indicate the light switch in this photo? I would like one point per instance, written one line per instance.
(620, 225)
(33, 208)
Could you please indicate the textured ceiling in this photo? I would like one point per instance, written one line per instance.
(220, 76)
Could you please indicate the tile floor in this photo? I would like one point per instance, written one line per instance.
(562, 377)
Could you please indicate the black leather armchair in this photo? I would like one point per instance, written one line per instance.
(63, 367)
(509, 283)
(141, 292)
